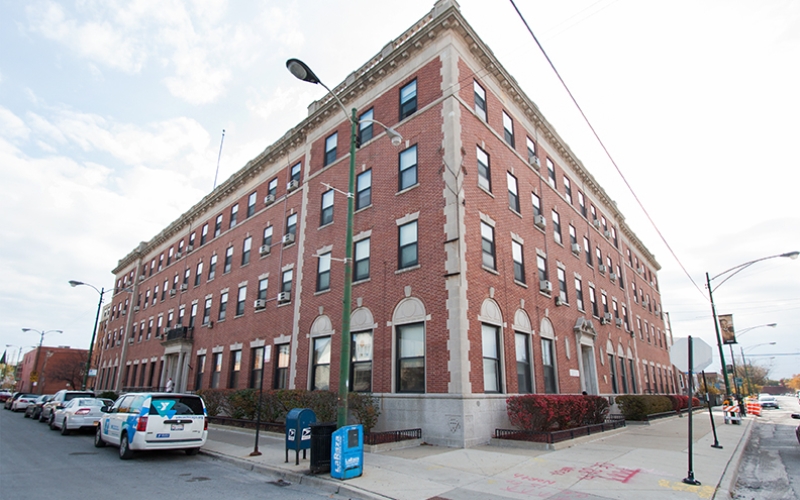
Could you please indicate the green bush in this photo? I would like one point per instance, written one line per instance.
(639, 406)
(216, 401)
(365, 408)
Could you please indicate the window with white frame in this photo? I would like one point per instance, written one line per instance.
(531, 146)
(519, 262)
(240, 300)
(513, 195)
(551, 173)
(266, 239)
(223, 306)
(410, 361)
(480, 100)
(281, 380)
(593, 300)
(228, 260)
(330, 148)
(537, 204)
(324, 272)
(487, 245)
(251, 204)
(562, 285)
(408, 99)
(321, 364)
(522, 345)
(579, 293)
(541, 265)
(484, 170)
(490, 336)
(364, 189)
(408, 254)
(361, 364)
(508, 129)
(207, 311)
(361, 260)
(234, 214)
(236, 368)
(295, 173)
(557, 227)
(262, 288)
(365, 129)
(548, 365)
(212, 267)
(408, 168)
(218, 226)
(568, 190)
(197, 276)
(246, 247)
(326, 215)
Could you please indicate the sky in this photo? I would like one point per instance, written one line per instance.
(112, 112)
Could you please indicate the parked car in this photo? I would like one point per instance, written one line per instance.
(78, 413)
(153, 421)
(7, 402)
(4, 395)
(35, 409)
(797, 430)
(22, 401)
(768, 401)
(59, 399)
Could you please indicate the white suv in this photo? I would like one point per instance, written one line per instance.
(153, 421)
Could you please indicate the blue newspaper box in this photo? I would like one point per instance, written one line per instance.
(347, 452)
(298, 432)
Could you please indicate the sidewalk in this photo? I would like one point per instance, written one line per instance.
(642, 461)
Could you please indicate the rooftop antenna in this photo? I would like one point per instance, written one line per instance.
(222, 140)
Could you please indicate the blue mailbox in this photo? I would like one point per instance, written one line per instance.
(347, 452)
(298, 432)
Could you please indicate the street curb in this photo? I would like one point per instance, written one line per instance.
(727, 482)
(327, 485)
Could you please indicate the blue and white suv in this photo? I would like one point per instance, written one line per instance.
(153, 421)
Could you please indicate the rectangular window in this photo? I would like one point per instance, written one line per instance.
(562, 285)
(236, 367)
(568, 190)
(579, 293)
(262, 288)
(408, 99)
(524, 378)
(408, 168)
(365, 127)
(573, 236)
(541, 265)
(163, 292)
(625, 318)
(330, 148)
(248, 242)
(484, 170)
(364, 189)
(487, 245)
(234, 215)
(192, 315)
(491, 358)
(295, 172)
(531, 147)
(206, 312)
(513, 195)
(612, 367)
(549, 367)
(326, 215)
(582, 203)
(361, 364)
(218, 226)
(324, 272)
(632, 376)
(593, 300)
(272, 187)
(198, 275)
(212, 267)
(240, 299)
(146, 298)
(217, 367)
(286, 281)
(321, 364)
(480, 100)
(411, 358)
(551, 173)
(266, 240)
(557, 227)
(223, 306)
(508, 129)
(203, 235)
(256, 367)
(408, 245)
(519, 263)
(228, 260)
(604, 300)
(200, 366)
(622, 376)
(281, 380)
(291, 224)
(160, 262)
(537, 204)
(251, 204)
(170, 254)
(619, 277)
(361, 260)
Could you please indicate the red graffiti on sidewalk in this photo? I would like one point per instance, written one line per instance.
(607, 471)
(563, 471)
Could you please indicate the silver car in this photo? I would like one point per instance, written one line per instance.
(78, 413)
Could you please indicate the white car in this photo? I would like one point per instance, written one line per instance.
(154, 421)
(78, 413)
(23, 401)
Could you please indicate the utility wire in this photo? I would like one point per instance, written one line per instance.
(608, 154)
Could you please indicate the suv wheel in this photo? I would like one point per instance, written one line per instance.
(98, 437)
(64, 430)
(52, 422)
(125, 452)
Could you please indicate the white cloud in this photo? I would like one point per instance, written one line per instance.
(11, 126)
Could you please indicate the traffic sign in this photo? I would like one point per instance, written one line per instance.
(701, 352)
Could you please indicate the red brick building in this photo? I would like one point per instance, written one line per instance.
(487, 259)
(59, 368)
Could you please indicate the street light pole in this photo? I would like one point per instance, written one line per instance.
(302, 72)
(730, 273)
(35, 371)
(73, 284)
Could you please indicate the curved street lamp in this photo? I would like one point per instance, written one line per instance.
(731, 273)
(302, 72)
(35, 373)
(73, 284)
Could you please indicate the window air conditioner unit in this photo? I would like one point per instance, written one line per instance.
(141, 277)
(606, 318)
(124, 312)
(540, 221)
(596, 223)
(288, 238)
(264, 250)
(166, 329)
(658, 311)
(130, 340)
(284, 297)
(576, 248)
(534, 161)
(260, 304)
(641, 270)
(172, 292)
(646, 303)
(184, 287)
(178, 255)
(545, 286)
(612, 276)
(560, 301)
(601, 268)
(292, 185)
(607, 233)
(135, 308)
(269, 199)
(189, 248)
(209, 325)
(619, 321)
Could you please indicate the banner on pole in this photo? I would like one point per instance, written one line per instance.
(726, 327)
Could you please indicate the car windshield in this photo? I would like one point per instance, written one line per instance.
(183, 405)
(90, 402)
(72, 395)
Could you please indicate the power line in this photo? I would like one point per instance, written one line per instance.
(608, 154)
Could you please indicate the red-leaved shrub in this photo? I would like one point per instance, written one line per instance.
(537, 412)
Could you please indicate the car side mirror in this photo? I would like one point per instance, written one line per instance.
(105, 409)
(796, 415)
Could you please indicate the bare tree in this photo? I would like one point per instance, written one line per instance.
(67, 367)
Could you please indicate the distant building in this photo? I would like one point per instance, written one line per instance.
(488, 261)
(58, 368)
